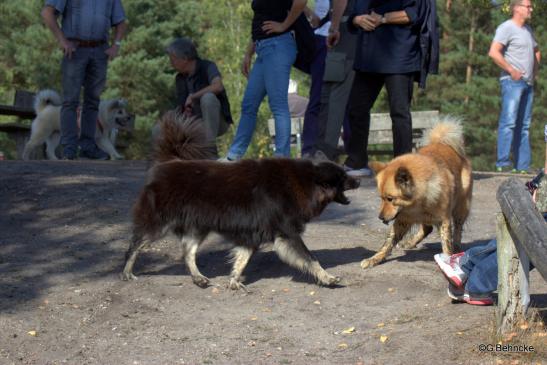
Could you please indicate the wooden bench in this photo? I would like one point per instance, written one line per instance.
(380, 133)
(521, 238)
(23, 109)
(297, 125)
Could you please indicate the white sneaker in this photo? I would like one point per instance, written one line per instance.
(450, 266)
(362, 172)
(225, 159)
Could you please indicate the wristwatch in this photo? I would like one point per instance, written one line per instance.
(383, 20)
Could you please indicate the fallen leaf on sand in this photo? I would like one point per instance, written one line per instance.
(317, 302)
(383, 339)
(540, 334)
(254, 318)
(391, 290)
(252, 343)
(32, 333)
(379, 325)
(349, 330)
(508, 337)
(524, 326)
(343, 346)
(312, 293)
(459, 333)
(215, 290)
(286, 290)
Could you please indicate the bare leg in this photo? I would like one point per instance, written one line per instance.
(190, 245)
(294, 252)
(398, 230)
(423, 231)
(241, 256)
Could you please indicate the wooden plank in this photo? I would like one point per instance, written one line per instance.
(420, 120)
(18, 111)
(525, 221)
(513, 265)
(24, 99)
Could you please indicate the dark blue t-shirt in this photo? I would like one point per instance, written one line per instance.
(389, 48)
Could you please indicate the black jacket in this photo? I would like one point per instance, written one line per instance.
(429, 44)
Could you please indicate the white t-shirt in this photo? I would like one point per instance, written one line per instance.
(321, 9)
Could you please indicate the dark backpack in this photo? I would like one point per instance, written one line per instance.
(305, 43)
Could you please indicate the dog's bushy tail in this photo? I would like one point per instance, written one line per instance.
(182, 138)
(45, 98)
(449, 132)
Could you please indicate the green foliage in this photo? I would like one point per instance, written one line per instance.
(30, 59)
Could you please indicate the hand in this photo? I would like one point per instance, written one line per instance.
(377, 19)
(270, 27)
(112, 52)
(314, 20)
(368, 22)
(189, 102)
(516, 74)
(333, 38)
(68, 47)
(246, 65)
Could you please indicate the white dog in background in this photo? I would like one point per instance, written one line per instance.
(46, 127)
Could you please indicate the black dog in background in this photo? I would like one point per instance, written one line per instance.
(250, 202)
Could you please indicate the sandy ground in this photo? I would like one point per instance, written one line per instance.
(64, 228)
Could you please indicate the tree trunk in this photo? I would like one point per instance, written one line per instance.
(471, 49)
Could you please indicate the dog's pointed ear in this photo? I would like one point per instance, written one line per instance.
(404, 180)
(377, 166)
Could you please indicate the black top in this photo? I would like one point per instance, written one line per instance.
(389, 48)
(264, 10)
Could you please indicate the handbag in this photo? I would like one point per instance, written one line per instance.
(305, 43)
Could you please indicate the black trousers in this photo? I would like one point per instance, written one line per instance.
(364, 92)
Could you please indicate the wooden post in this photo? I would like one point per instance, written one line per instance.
(513, 274)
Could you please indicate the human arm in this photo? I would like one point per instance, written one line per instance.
(271, 26)
(338, 8)
(119, 32)
(50, 19)
(246, 64)
(496, 54)
(215, 87)
(537, 60)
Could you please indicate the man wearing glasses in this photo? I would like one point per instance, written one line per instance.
(516, 52)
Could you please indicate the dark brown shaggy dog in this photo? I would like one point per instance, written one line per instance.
(250, 202)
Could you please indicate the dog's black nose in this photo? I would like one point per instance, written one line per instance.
(384, 221)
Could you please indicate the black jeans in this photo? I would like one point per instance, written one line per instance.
(364, 92)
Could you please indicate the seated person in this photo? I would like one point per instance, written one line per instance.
(199, 89)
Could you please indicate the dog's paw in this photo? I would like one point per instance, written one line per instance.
(236, 285)
(127, 276)
(368, 263)
(332, 281)
(200, 281)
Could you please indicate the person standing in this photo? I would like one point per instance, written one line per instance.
(317, 68)
(516, 52)
(337, 82)
(84, 38)
(199, 89)
(388, 53)
(275, 47)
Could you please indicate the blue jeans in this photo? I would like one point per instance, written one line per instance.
(515, 118)
(269, 76)
(87, 68)
(480, 263)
